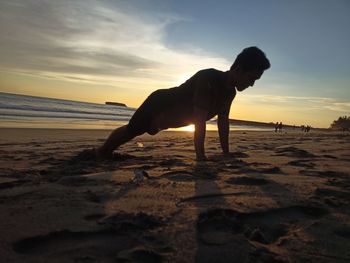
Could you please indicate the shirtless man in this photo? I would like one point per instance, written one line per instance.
(206, 94)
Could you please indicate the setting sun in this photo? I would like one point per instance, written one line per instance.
(189, 128)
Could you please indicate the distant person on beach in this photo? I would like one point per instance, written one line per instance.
(280, 127)
(305, 128)
(206, 94)
(276, 127)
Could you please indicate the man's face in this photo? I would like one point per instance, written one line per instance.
(245, 79)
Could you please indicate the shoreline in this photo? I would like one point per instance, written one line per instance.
(8, 133)
(176, 129)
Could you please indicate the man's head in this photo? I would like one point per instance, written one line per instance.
(248, 67)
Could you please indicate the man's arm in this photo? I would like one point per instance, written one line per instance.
(200, 117)
(223, 128)
(202, 102)
(224, 125)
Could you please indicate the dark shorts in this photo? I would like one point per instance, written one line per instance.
(155, 104)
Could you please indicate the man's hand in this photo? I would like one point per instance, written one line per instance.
(201, 158)
(227, 154)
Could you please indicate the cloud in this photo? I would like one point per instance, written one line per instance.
(95, 41)
(307, 103)
(339, 107)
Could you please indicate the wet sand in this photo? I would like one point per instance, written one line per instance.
(279, 198)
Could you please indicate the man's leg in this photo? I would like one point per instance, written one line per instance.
(118, 137)
(147, 118)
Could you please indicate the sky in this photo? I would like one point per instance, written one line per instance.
(109, 50)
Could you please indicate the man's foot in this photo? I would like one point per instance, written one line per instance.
(93, 154)
(102, 155)
(86, 155)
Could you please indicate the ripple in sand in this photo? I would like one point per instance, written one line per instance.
(293, 152)
(330, 174)
(172, 162)
(131, 222)
(324, 192)
(247, 181)
(302, 163)
(63, 241)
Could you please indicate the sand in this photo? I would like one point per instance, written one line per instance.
(279, 198)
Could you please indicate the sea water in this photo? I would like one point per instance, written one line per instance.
(23, 111)
(38, 112)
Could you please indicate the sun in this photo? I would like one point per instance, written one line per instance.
(189, 128)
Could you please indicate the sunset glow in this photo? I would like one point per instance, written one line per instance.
(106, 50)
(189, 128)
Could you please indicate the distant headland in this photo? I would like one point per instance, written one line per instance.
(116, 104)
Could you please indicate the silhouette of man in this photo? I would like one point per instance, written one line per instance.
(206, 94)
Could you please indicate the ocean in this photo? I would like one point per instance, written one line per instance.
(22, 111)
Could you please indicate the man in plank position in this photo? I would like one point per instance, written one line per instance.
(206, 94)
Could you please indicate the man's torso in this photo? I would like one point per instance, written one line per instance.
(206, 89)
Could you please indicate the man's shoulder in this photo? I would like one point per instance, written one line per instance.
(210, 72)
(216, 78)
(202, 78)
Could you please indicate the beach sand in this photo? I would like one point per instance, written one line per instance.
(279, 198)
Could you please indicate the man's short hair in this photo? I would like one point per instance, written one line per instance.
(251, 58)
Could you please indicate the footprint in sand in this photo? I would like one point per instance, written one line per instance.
(172, 162)
(140, 254)
(179, 176)
(93, 217)
(333, 197)
(222, 226)
(244, 237)
(343, 232)
(239, 155)
(122, 238)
